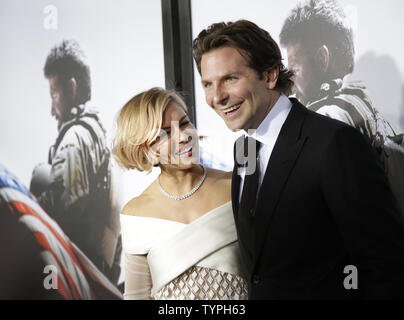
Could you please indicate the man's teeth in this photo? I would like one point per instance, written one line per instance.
(232, 108)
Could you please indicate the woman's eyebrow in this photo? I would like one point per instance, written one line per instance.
(169, 128)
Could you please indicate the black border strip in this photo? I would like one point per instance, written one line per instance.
(177, 41)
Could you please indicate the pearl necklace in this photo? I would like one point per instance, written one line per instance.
(184, 196)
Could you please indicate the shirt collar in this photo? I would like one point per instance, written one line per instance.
(273, 122)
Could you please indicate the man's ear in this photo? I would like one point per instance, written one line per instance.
(73, 88)
(323, 58)
(271, 77)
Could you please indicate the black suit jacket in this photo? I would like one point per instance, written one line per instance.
(324, 204)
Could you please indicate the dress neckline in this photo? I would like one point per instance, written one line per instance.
(177, 222)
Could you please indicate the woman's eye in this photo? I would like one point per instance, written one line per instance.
(184, 123)
(164, 135)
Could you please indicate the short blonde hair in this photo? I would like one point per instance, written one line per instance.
(138, 126)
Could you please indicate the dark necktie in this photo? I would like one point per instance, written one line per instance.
(248, 200)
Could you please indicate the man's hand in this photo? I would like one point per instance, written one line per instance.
(41, 179)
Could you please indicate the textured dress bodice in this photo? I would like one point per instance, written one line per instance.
(193, 261)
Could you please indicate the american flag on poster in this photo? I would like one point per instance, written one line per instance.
(77, 277)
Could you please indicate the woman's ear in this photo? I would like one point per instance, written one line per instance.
(323, 58)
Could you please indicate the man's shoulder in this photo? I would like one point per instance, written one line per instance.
(88, 122)
(319, 128)
(80, 129)
(316, 121)
(347, 98)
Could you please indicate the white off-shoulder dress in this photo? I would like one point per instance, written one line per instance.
(200, 260)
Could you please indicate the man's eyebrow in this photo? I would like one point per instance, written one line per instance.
(169, 128)
(223, 76)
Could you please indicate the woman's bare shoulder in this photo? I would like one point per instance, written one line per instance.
(219, 185)
(219, 174)
(133, 206)
(139, 206)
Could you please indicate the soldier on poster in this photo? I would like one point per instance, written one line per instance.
(320, 47)
(75, 186)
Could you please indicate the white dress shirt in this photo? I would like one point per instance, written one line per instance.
(267, 133)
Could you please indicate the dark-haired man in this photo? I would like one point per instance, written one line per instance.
(320, 49)
(316, 202)
(74, 188)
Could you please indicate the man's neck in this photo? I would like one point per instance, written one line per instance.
(323, 90)
(273, 100)
(73, 112)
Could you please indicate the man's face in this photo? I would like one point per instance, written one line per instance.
(234, 90)
(61, 104)
(306, 81)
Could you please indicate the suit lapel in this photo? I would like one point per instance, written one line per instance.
(283, 158)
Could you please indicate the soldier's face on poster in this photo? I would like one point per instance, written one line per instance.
(307, 73)
(60, 99)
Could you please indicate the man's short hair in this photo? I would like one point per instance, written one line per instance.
(321, 22)
(66, 60)
(256, 45)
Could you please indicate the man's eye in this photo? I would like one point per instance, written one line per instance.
(184, 123)
(230, 79)
(207, 85)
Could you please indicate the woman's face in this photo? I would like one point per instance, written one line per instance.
(177, 143)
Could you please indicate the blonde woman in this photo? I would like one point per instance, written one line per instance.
(179, 236)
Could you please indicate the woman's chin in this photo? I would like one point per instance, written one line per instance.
(188, 162)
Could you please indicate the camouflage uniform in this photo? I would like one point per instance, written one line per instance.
(349, 103)
(78, 194)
